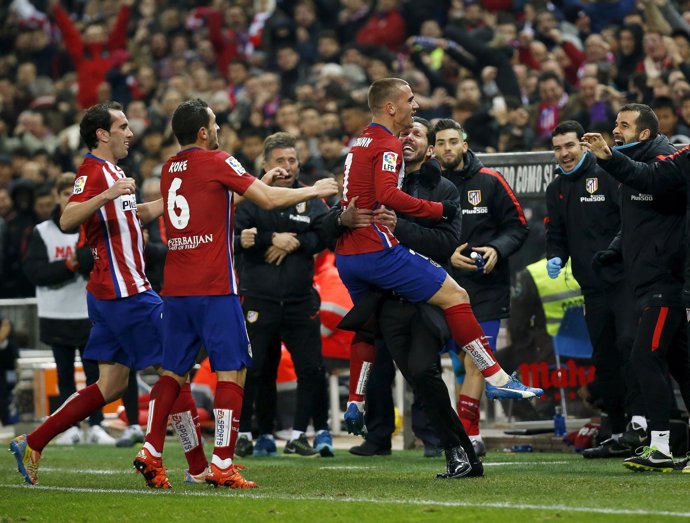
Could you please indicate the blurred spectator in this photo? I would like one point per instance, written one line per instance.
(307, 30)
(595, 103)
(292, 69)
(669, 123)
(351, 18)
(31, 133)
(5, 171)
(20, 223)
(384, 27)
(657, 58)
(548, 111)
(355, 117)
(44, 202)
(310, 127)
(91, 51)
(629, 55)
(229, 42)
(251, 148)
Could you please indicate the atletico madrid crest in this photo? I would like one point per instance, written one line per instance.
(591, 185)
(252, 316)
(301, 207)
(474, 197)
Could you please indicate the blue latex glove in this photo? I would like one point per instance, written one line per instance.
(553, 267)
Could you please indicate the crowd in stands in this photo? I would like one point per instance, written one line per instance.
(509, 71)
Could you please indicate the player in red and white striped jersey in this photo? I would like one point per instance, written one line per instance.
(125, 312)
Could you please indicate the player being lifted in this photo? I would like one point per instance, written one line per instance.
(371, 257)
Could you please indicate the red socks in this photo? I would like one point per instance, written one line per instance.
(362, 355)
(75, 408)
(185, 420)
(227, 408)
(163, 397)
(469, 336)
(468, 412)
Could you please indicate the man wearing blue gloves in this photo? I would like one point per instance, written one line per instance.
(583, 216)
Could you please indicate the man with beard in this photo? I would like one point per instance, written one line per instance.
(583, 216)
(651, 246)
(493, 227)
(414, 334)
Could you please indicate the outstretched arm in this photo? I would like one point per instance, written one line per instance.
(666, 174)
(268, 197)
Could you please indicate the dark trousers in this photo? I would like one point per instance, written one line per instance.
(64, 361)
(5, 397)
(298, 326)
(415, 350)
(661, 348)
(611, 326)
(380, 412)
(130, 399)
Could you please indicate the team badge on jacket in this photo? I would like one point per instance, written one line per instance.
(301, 207)
(252, 316)
(474, 197)
(591, 185)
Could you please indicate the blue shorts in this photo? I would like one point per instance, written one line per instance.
(216, 322)
(412, 276)
(126, 330)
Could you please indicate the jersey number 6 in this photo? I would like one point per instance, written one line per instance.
(177, 201)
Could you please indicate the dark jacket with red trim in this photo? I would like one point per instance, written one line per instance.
(653, 223)
(491, 216)
(582, 218)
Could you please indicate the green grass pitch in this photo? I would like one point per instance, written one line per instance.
(98, 484)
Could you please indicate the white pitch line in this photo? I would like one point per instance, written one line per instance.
(379, 502)
(109, 472)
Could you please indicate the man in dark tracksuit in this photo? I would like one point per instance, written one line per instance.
(280, 304)
(493, 226)
(653, 250)
(414, 334)
(583, 217)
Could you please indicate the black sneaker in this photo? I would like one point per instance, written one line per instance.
(609, 448)
(301, 447)
(650, 459)
(634, 436)
(457, 464)
(367, 448)
(244, 447)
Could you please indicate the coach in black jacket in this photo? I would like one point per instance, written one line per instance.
(280, 304)
(493, 223)
(494, 226)
(583, 217)
(654, 253)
